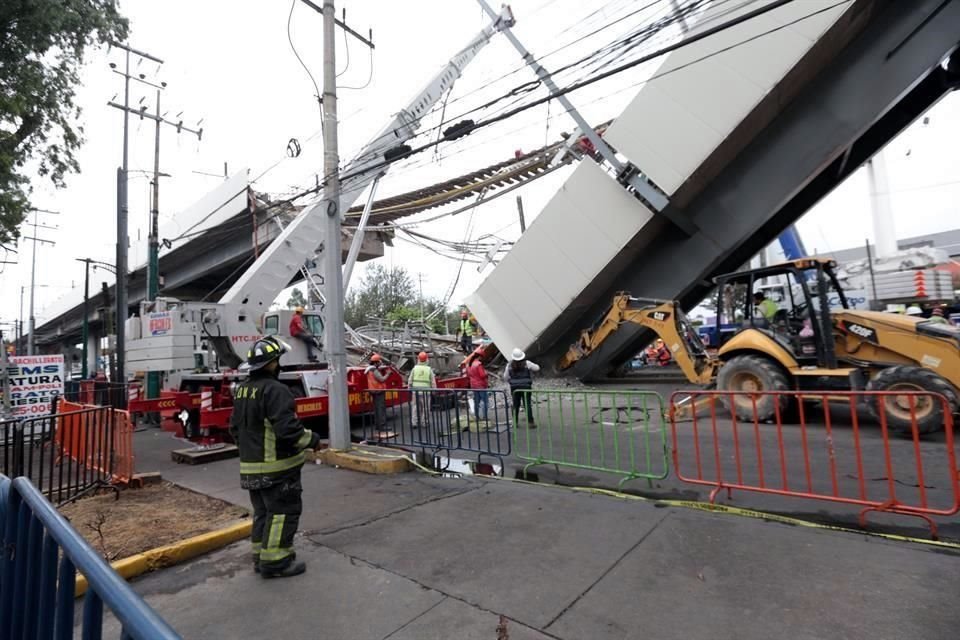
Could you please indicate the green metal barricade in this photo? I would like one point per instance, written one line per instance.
(621, 432)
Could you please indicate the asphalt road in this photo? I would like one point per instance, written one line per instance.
(837, 454)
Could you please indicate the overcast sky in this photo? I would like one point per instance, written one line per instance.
(231, 64)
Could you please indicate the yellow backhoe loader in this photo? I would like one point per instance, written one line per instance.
(799, 343)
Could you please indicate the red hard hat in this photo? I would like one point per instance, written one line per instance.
(375, 358)
(422, 356)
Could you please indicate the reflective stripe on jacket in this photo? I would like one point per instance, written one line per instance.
(268, 433)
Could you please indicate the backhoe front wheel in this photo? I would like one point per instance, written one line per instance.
(750, 377)
(902, 410)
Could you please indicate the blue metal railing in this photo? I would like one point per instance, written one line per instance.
(41, 555)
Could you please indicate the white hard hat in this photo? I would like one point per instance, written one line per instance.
(914, 310)
(518, 354)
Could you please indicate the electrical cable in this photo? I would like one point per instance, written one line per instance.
(346, 44)
(536, 84)
(369, 76)
(629, 65)
(293, 48)
(584, 83)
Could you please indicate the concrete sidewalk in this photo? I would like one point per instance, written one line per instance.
(417, 557)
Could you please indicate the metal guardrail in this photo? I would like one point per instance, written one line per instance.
(66, 455)
(441, 421)
(821, 453)
(41, 556)
(618, 432)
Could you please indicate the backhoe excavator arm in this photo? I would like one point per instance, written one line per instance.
(663, 318)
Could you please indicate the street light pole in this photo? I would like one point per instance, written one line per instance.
(85, 332)
(33, 275)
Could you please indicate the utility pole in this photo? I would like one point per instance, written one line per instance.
(153, 256)
(523, 222)
(123, 210)
(153, 249)
(339, 418)
(33, 272)
(420, 278)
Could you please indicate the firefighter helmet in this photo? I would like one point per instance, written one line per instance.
(264, 351)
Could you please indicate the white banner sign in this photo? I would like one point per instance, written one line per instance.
(34, 380)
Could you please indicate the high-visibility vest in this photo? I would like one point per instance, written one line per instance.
(421, 376)
(466, 328)
(768, 308)
(372, 383)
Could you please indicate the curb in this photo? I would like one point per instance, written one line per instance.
(175, 553)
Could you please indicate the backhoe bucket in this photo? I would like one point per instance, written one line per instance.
(686, 408)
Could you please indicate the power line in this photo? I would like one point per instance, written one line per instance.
(587, 82)
(293, 48)
(646, 58)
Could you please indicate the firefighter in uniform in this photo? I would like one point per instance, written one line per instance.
(272, 441)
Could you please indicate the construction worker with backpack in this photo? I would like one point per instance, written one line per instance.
(421, 377)
(272, 441)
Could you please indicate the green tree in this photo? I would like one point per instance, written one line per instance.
(43, 47)
(380, 291)
(391, 294)
(296, 299)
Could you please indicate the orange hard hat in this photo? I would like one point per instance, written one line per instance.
(375, 358)
(422, 356)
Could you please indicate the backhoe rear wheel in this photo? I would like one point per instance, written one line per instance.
(748, 376)
(901, 410)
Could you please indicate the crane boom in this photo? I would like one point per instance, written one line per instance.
(256, 289)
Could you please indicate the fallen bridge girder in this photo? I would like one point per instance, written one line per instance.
(877, 86)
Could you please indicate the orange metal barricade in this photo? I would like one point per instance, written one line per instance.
(102, 440)
(827, 450)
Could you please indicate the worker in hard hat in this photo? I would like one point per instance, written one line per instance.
(272, 441)
(915, 311)
(421, 380)
(518, 376)
(465, 332)
(377, 375)
(937, 316)
(300, 331)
